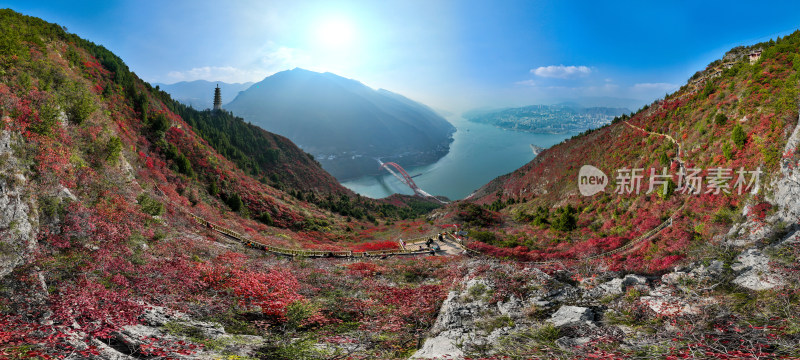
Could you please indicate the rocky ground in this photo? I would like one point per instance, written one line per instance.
(562, 314)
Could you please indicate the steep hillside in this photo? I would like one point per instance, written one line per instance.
(271, 158)
(344, 123)
(116, 212)
(199, 94)
(734, 115)
(101, 255)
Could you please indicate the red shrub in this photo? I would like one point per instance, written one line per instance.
(374, 246)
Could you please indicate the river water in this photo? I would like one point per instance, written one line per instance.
(478, 154)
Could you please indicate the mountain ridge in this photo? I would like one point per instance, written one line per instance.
(102, 256)
(323, 112)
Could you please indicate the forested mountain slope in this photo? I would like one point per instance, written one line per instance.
(344, 123)
(733, 116)
(101, 178)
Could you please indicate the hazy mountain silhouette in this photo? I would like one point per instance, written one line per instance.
(344, 123)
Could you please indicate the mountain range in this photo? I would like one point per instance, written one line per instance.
(343, 123)
(134, 226)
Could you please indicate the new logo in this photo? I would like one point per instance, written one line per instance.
(591, 180)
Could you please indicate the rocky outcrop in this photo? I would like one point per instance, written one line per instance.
(755, 271)
(471, 323)
(787, 187)
(172, 331)
(560, 313)
(19, 218)
(572, 315)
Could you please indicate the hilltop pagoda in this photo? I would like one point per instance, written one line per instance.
(217, 99)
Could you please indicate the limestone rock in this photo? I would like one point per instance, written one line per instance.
(632, 280)
(758, 280)
(19, 218)
(749, 259)
(787, 187)
(571, 315)
(612, 287)
(513, 307)
(663, 301)
(756, 273)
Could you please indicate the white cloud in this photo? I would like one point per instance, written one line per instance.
(270, 59)
(228, 74)
(526, 83)
(279, 58)
(561, 71)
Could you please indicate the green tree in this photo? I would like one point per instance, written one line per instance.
(796, 62)
(149, 205)
(158, 125)
(184, 166)
(81, 107)
(738, 136)
(113, 149)
(565, 219)
(720, 119)
(265, 218)
(235, 202)
(213, 188)
(708, 89)
(666, 191)
(664, 159)
(727, 151)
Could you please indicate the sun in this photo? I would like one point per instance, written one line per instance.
(335, 33)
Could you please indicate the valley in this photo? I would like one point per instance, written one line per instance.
(479, 153)
(134, 226)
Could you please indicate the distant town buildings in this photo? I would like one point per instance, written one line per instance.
(549, 119)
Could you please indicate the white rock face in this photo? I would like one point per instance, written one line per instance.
(756, 272)
(664, 301)
(787, 189)
(156, 317)
(19, 219)
(571, 315)
(750, 258)
(613, 287)
(438, 347)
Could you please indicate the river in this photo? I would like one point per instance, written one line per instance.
(478, 154)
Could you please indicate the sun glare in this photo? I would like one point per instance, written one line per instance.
(335, 33)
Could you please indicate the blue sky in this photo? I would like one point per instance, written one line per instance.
(453, 55)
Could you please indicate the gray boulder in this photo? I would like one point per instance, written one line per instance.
(756, 274)
(571, 315)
